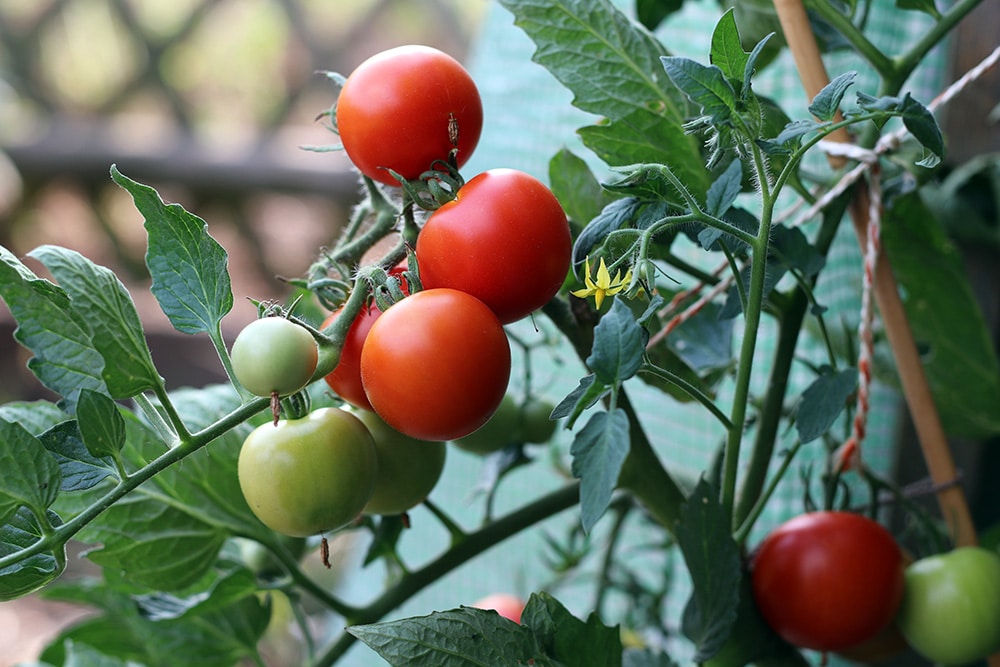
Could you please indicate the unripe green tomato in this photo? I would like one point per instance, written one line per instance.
(499, 431)
(951, 606)
(274, 355)
(408, 469)
(535, 425)
(310, 475)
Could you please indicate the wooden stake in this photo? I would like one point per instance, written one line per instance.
(926, 420)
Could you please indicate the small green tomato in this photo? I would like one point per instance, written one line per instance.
(274, 355)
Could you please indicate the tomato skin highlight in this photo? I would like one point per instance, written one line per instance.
(828, 580)
(394, 110)
(310, 475)
(504, 239)
(436, 365)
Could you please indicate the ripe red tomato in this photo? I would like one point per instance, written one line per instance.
(828, 580)
(435, 365)
(345, 378)
(504, 239)
(395, 110)
(507, 605)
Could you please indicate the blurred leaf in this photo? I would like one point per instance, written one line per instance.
(104, 303)
(705, 341)
(923, 126)
(188, 266)
(101, 425)
(569, 640)
(925, 6)
(65, 360)
(713, 559)
(642, 118)
(619, 343)
(576, 187)
(823, 401)
(646, 657)
(651, 13)
(961, 364)
(36, 416)
(464, 637)
(230, 587)
(81, 655)
(599, 450)
(32, 573)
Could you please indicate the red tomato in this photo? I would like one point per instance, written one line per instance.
(435, 365)
(504, 239)
(345, 378)
(828, 580)
(395, 110)
(507, 605)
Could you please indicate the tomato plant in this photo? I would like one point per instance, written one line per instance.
(534, 423)
(828, 580)
(504, 239)
(274, 355)
(435, 365)
(345, 378)
(408, 469)
(309, 475)
(500, 430)
(951, 609)
(406, 107)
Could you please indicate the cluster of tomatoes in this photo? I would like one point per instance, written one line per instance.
(434, 366)
(839, 582)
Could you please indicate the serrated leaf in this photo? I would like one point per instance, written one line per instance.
(584, 396)
(188, 267)
(713, 559)
(619, 343)
(727, 49)
(102, 300)
(823, 401)
(65, 359)
(826, 104)
(576, 187)
(80, 470)
(725, 189)
(32, 573)
(569, 640)
(31, 476)
(464, 637)
(643, 118)
(101, 425)
(705, 85)
(599, 450)
(961, 364)
(612, 217)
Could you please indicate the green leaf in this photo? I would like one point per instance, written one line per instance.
(101, 299)
(31, 475)
(584, 396)
(32, 573)
(619, 343)
(705, 85)
(826, 104)
(727, 49)
(36, 416)
(576, 187)
(725, 189)
(751, 65)
(713, 559)
(228, 588)
(81, 655)
(80, 470)
(961, 364)
(642, 119)
(705, 341)
(101, 425)
(613, 216)
(646, 657)
(189, 268)
(65, 360)
(599, 450)
(925, 6)
(922, 125)
(823, 401)
(569, 640)
(651, 13)
(464, 637)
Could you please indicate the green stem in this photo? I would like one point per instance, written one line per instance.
(474, 544)
(747, 522)
(690, 390)
(878, 60)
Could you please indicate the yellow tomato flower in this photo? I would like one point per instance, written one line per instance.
(604, 285)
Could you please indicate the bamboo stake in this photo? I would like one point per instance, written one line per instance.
(926, 420)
